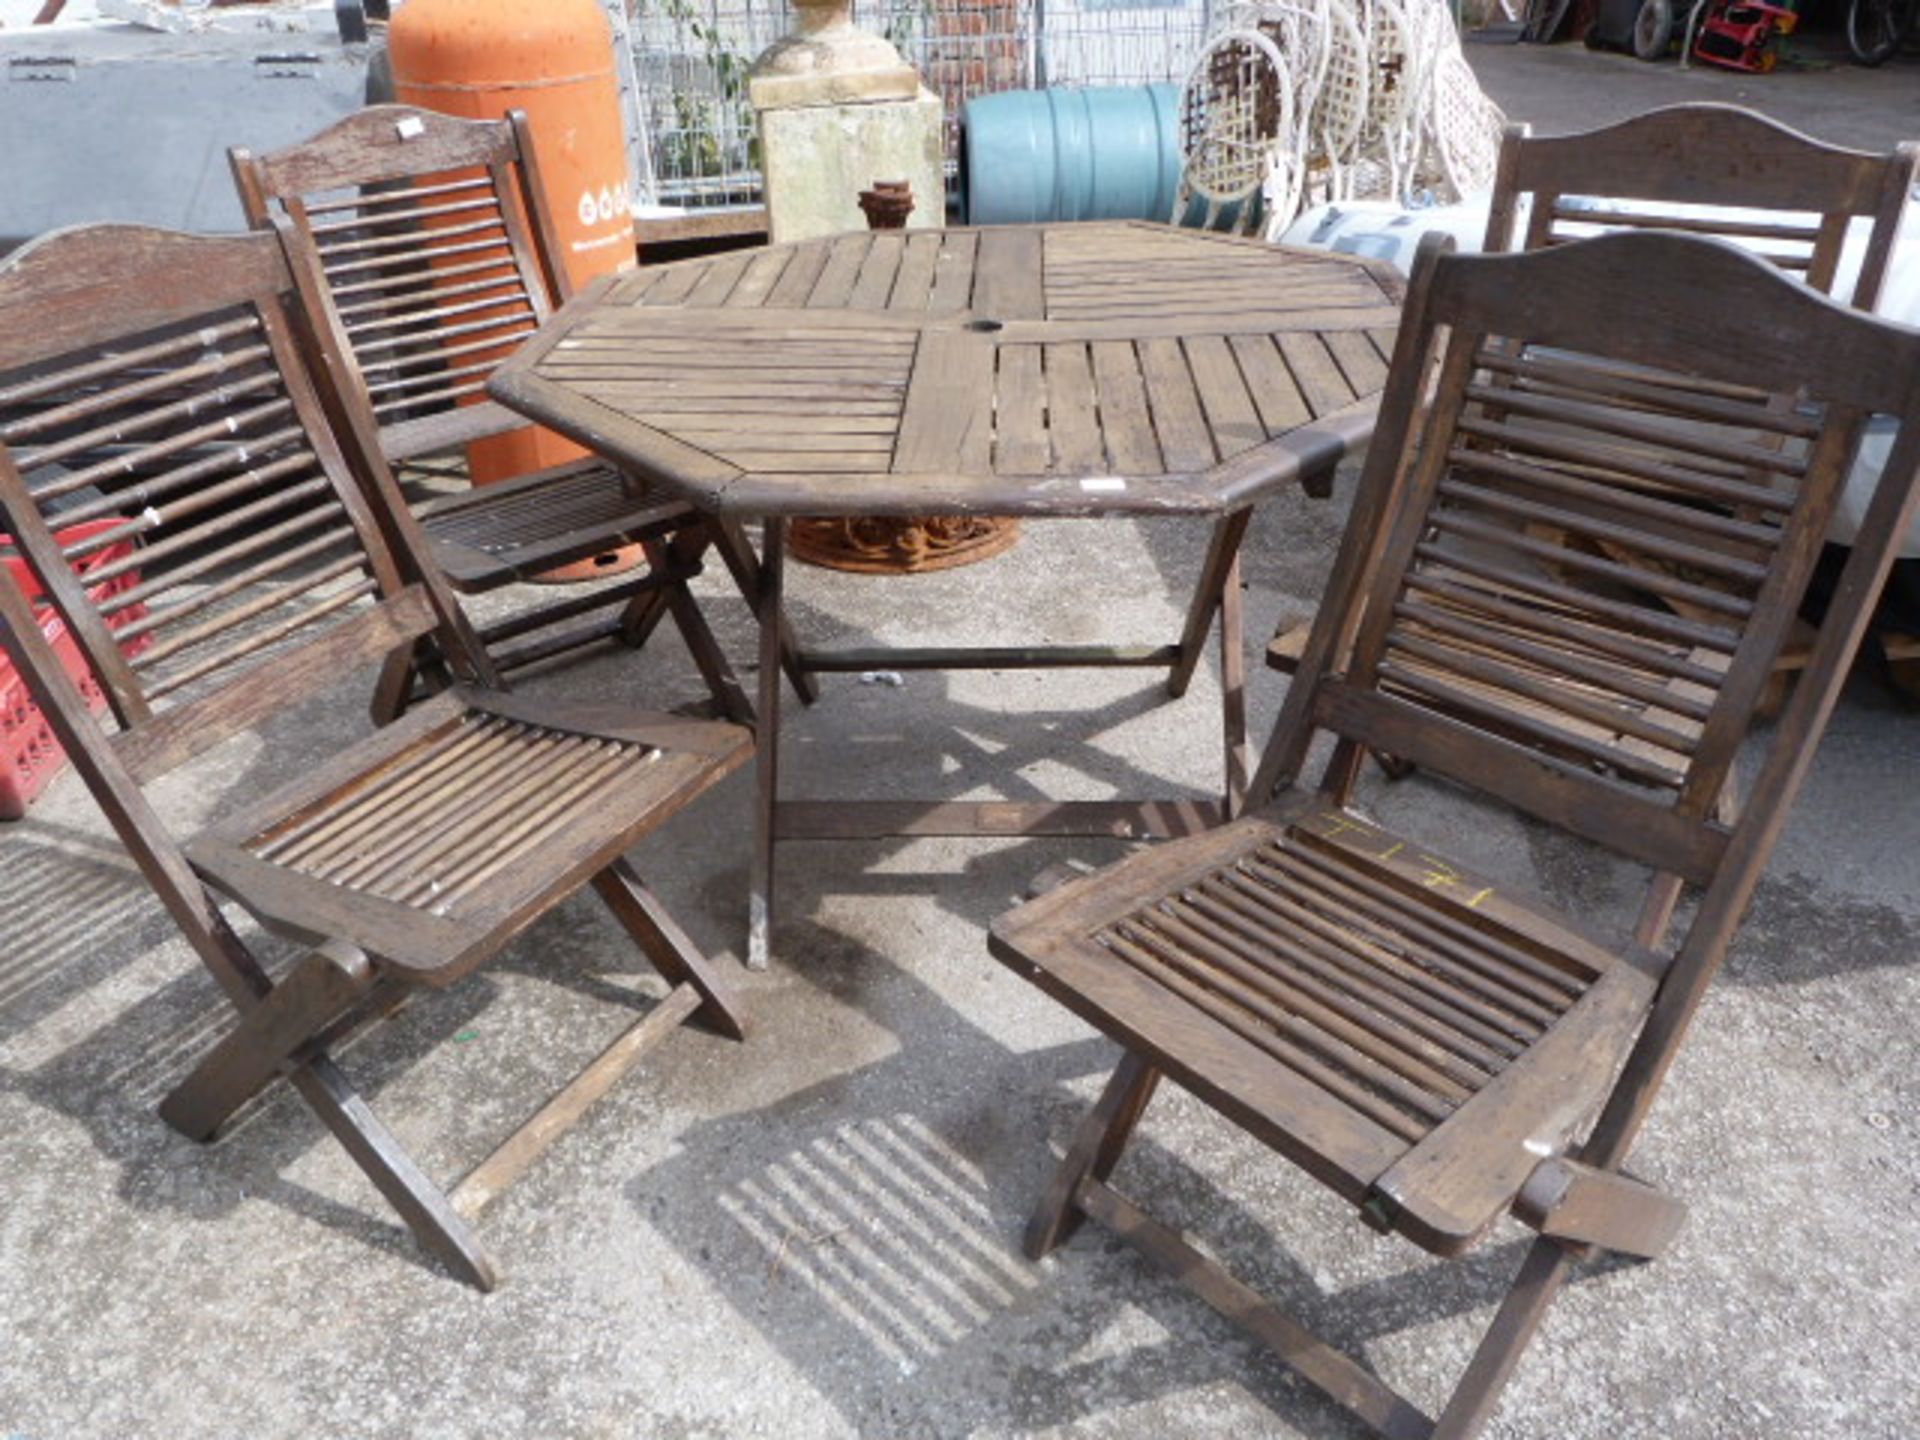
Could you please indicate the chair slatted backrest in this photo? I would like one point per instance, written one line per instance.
(1670, 168)
(167, 472)
(1493, 617)
(429, 241)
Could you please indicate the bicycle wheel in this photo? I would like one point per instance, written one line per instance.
(1873, 29)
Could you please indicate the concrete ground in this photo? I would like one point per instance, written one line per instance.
(815, 1233)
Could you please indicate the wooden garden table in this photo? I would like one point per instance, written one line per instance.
(1091, 370)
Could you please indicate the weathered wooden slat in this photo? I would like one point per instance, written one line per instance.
(1020, 412)
(1073, 420)
(874, 286)
(1178, 421)
(947, 422)
(1275, 395)
(953, 272)
(913, 285)
(1231, 414)
(845, 255)
(1125, 422)
(1007, 282)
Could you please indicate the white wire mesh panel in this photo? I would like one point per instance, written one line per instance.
(1466, 127)
(1236, 113)
(1345, 90)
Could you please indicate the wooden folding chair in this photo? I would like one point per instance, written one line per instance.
(1798, 198)
(1419, 1038)
(424, 254)
(149, 378)
(1798, 202)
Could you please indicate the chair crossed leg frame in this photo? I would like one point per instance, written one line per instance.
(290, 1027)
(1577, 1208)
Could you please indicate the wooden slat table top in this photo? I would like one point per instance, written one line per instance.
(1082, 369)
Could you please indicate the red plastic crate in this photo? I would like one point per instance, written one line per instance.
(29, 755)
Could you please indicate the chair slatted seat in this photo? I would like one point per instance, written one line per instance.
(425, 256)
(168, 473)
(1426, 1041)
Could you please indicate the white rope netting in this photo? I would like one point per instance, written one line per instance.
(1338, 100)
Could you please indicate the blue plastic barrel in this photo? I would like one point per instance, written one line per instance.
(1108, 152)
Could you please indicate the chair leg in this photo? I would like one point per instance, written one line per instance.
(327, 982)
(421, 1203)
(731, 541)
(670, 948)
(1095, 1150)
(1477, 1395)
(1216, 572)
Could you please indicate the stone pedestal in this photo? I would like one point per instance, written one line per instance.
(839, 109)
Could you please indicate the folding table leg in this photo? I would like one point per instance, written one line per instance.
(1233, 691)
(1218, 591)
(731, 541)
(1222, 554)
(769, 611)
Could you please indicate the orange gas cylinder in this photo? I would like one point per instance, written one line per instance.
(554, 59)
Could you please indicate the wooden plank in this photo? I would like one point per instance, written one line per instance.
(953, 272)
(1264, 321)
(1178, 421)
(518, 1152)
(691, 424)
(845, 255)
(756, 285)
(763, 406)
(728, 439)
(1318, 376)
(774, 367)
(1073, 421)
(676, 282)
(1275, 396)
(723, 273)
(797, 280)
(1365, 371)
(642, 394)
(877, 272)
(1124, 418)
(913, 286)
(877, 819)
(1007, 279)
(1020, 412)
(836, 462)
(1231, 414)
(947, 423)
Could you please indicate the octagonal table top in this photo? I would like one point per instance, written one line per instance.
(1018, 370)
